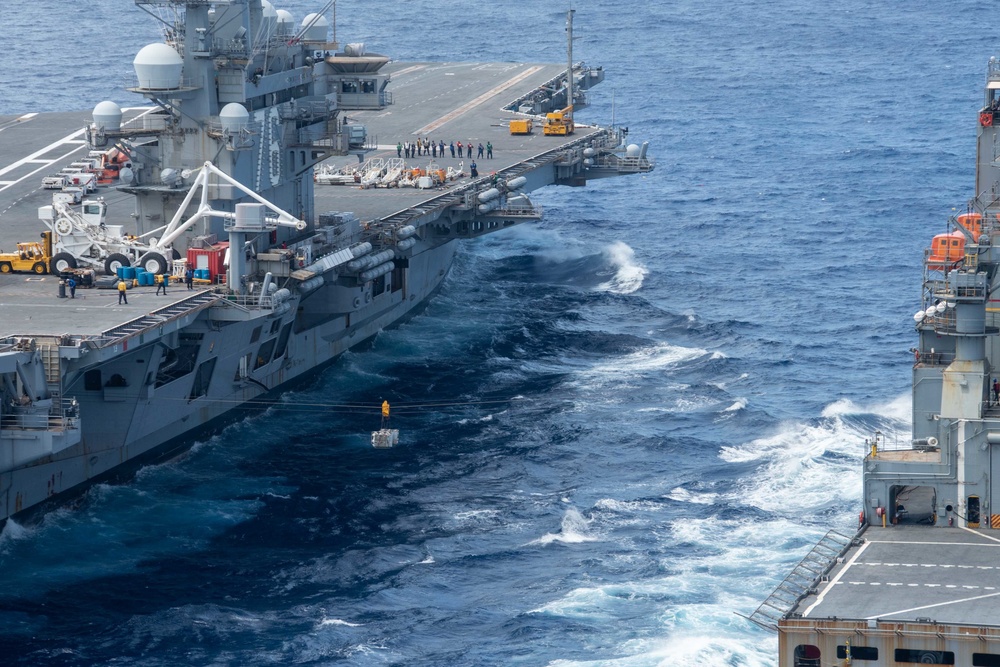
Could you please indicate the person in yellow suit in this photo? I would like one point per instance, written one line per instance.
(122, 298)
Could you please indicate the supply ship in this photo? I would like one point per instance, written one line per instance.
(218, 184)
(919, 583)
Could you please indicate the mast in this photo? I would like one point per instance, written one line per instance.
(569, 62)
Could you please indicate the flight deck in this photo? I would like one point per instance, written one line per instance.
(449, 102)
(912, 573)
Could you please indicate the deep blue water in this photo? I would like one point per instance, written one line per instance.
(684, 365)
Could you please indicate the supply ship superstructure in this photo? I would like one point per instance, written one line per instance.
(919, 583)
(246, 102)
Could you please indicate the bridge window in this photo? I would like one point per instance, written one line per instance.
(807, 655)
(905, 655)
(858, 652)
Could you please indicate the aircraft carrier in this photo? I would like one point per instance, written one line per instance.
(243, 114)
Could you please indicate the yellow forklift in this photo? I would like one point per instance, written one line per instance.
(31, 256)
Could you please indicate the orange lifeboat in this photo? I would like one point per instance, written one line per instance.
(947, 251)
(973, 223)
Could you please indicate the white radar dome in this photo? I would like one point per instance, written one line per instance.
(270, 19)
(234, 117)
(158, 67)
(317, 31)
(108, 116)
(285, 22)
(632, 150)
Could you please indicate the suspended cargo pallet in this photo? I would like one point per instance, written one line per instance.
(385, 438)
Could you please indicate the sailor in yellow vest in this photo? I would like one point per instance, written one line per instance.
(162, 280)
(122, 298)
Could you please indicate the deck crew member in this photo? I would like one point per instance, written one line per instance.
(122, 298)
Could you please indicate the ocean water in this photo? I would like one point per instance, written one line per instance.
(619, 426)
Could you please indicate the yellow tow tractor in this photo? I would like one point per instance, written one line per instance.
(520, 126)
(31, 256)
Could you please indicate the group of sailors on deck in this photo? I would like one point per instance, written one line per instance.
(429, 148)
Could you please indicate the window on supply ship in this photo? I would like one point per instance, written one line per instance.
(264, 354)
(858, 652)
(985, 660)
(92, 380)
(283, 341)
(807, 655)
(907, 655)
(202, 378)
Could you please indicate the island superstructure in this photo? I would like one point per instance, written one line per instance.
(243, 103)
(920, 580)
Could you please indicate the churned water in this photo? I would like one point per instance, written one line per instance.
(657, 396)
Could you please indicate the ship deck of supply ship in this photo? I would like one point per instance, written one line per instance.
(441, 101)
(913, 573)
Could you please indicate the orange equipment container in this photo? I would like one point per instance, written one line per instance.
(973, 222)
(947, 251)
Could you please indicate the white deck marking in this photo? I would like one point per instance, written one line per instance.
(975, 532)
(929, 606)
(69, 139)
(15, 121)
(819, 598)
(452, 115)
(407, 70)
(945, 544)
(960, 567)
(875, 583)
(33, 158)
(44, 166)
